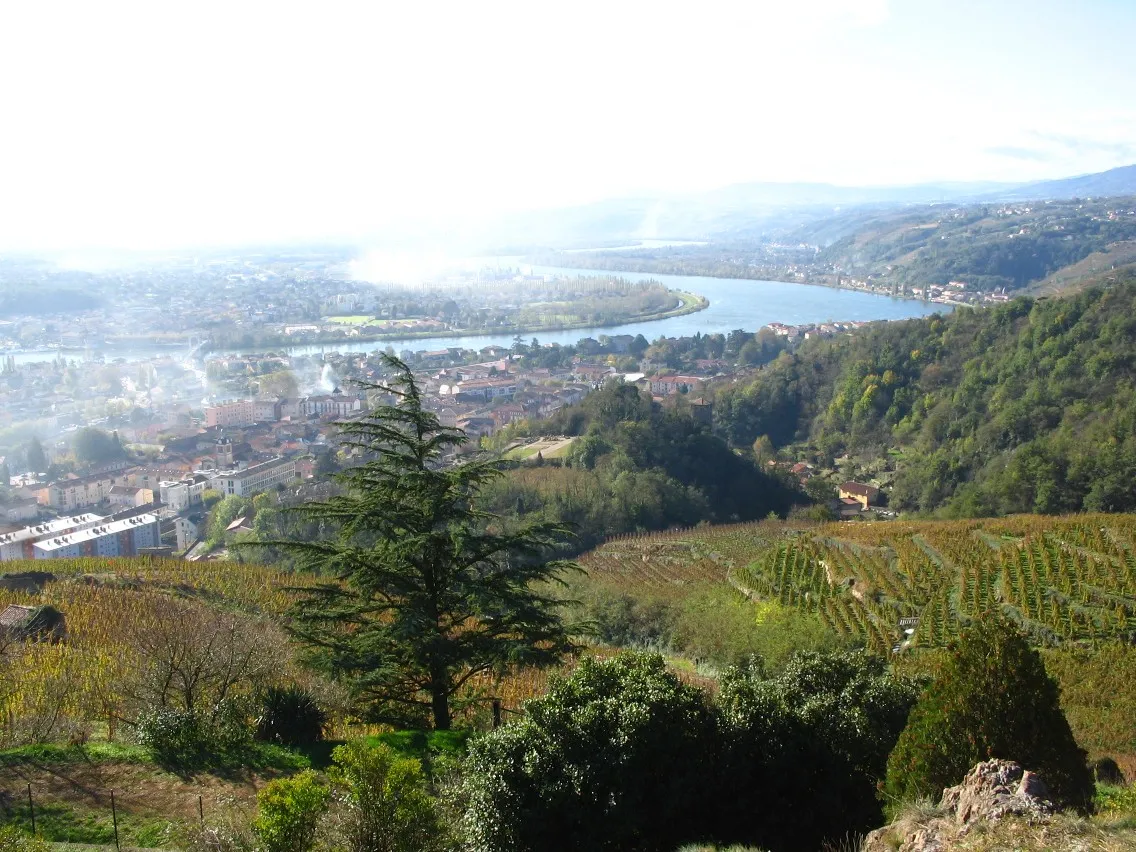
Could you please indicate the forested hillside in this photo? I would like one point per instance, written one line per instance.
(635, 466)
(1027, 407)
(986, 246)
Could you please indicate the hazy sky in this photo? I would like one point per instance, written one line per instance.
(161, 124)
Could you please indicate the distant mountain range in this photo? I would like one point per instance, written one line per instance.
(1119, 181)
(755, 210)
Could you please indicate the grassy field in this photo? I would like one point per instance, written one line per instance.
(549, 448)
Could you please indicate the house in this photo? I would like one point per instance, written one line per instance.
(848, 507)
(35, 623)
(866, 495)
(475, 427)
(666, 385)
(128, 495)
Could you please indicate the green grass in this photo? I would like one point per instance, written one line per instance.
(1116, 801)
(59, 823)
(422, 745)
(261, 757)
(46, 753)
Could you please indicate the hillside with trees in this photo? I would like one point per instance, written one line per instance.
(636, 466)
(1026, 407)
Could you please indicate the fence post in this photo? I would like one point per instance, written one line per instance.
(114, 819)
(201, 811)
(31, 808)
(496, 713)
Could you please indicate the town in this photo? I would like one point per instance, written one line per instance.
(127, 458)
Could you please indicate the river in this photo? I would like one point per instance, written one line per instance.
(734, 303)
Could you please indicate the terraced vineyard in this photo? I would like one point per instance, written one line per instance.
(897, 585)
(108, 604)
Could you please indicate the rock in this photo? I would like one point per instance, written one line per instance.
(990, 791)
(995, 789)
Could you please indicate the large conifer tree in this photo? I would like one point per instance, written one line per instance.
(427, 591)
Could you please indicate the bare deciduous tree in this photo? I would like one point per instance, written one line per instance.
(193, 658)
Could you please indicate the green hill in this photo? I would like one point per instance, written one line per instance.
(989, 246)
(1027, 407)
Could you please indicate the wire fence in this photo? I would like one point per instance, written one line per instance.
(66, 809)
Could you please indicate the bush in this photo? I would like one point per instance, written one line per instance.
(1107, 771)
(289, 812)
(991, 699)
(802, 752)
(615, 756)
(623, 756)
(387, 806)
(173, 737)
(290, 715)
(187, 739)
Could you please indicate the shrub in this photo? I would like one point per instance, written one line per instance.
(616, 756)
(290, 715)
(187, 739)
(803, 751)
(991, 699)
(387, 806)
(1107, 771)
(174, 737)
(289, 812)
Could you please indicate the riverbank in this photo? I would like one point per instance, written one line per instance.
(604, 262)
(688, 303)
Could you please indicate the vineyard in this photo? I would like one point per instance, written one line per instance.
(110, 607)
(1069, 580)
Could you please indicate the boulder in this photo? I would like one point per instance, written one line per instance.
(991, 791)
(995, 789)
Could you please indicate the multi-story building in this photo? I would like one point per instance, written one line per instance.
(71, 494)
(666, 385)
(266, 410)
(181, 494)
(241, 413)
(331, 405)
(19, 544)
(118, 538)
(247, 481)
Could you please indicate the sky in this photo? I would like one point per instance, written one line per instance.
(158, 125)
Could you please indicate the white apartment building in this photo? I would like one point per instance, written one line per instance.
(334, 405)
(71, 494)
(19, 544)
(119, 538)
(179, 495)
(247, 481)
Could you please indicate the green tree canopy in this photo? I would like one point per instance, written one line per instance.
(94, 446)
(428, 592)
(37, 459)
(614, 757)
